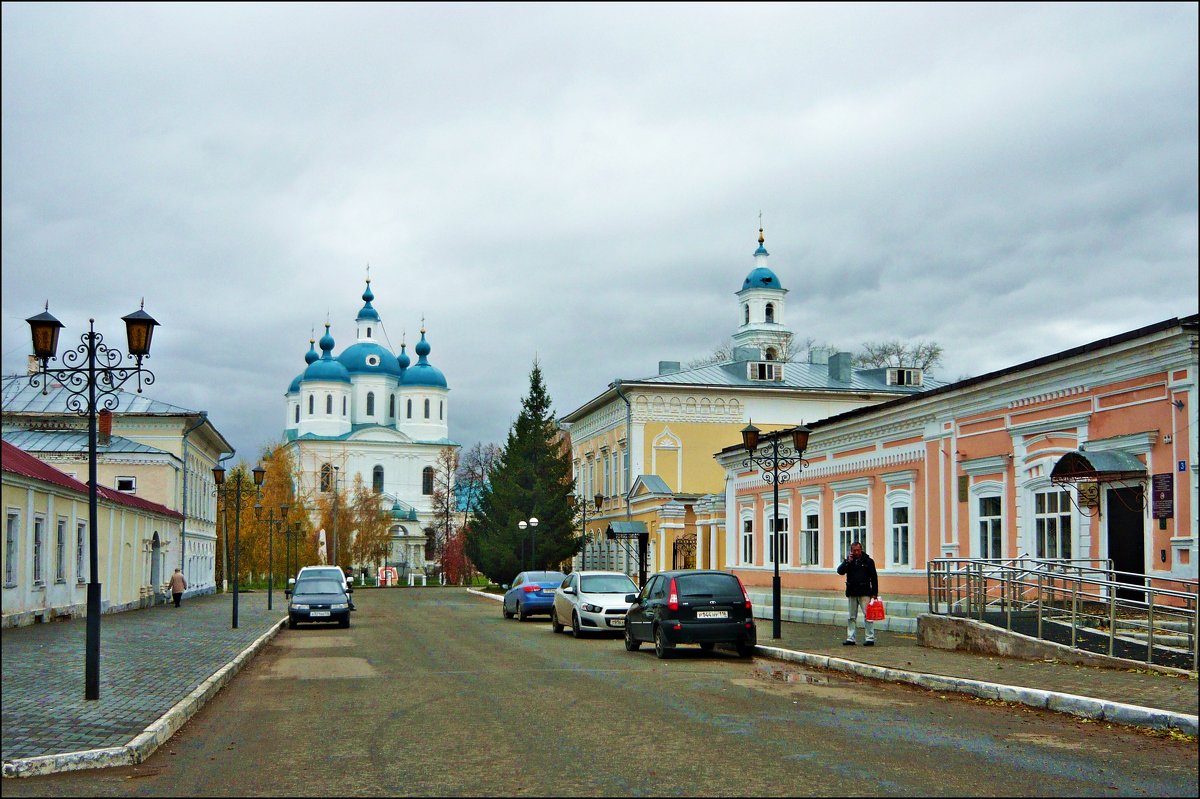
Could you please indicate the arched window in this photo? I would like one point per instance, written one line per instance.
(770, 312)
(326, 477)
(297, 413)
(441, 409)
(746, 315)
(368, 332)
(311, 401)
(329, 405)
(370, 403)
(410, 409)
(377, 479)
(427, 480)
(770, 354)
(426, 408)
(343, 406)
(391, 406)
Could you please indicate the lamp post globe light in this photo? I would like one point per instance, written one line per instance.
(532, 525)
(775, 470)
(92, 376)
(219, 478)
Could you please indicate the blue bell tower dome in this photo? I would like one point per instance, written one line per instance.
(422, 373)
(326, 368)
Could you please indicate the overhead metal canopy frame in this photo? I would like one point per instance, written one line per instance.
(1105, 466)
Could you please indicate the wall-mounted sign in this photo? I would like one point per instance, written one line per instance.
(1162, 489)
(1089, 494)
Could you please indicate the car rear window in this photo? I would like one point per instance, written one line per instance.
(714, 585)
(545, 577)
(607, 584)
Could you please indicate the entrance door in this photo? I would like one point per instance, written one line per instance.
(1127, 537)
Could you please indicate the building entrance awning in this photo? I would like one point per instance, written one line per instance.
(626, 530)
(1099, 467)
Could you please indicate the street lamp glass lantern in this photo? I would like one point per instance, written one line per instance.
(533, 521)
(260, 472)
(283, 510)
(800, 437)
(139, 327)
(219, 475)
(599, 500)
(44, 328)
(750, 437)
(522, 525)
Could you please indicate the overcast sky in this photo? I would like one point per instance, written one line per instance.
(582, 184)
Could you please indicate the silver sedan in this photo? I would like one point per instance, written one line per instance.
(592, 601)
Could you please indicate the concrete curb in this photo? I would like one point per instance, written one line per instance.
(1082, 706)
(154, 736)
(486, 594)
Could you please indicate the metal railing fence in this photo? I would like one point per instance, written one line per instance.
(1082, 596)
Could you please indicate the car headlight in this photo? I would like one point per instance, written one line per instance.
(339, 605)
(592, 608)
(298, 606)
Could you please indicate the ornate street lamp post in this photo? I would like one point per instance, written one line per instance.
(89, 369)
(272, 522)
(219, 478)
(775, 470)
(532, 525)
(599, 500)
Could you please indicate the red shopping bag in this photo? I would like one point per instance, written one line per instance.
(875, 610)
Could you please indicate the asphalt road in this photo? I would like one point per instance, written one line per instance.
(431, 692)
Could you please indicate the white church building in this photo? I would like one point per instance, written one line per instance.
(368, 412)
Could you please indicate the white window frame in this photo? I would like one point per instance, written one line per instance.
(810, 536)
(39, 547)
(1038, 527)
(131, 487)
(12, 545)
(785, 535)
(988, 489)
(60, 550)
(746, 538)
(893, 501)
(852, 503)
(80, 551)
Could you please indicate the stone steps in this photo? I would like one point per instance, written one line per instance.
(830, 609)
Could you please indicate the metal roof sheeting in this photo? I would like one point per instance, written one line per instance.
(71, 441)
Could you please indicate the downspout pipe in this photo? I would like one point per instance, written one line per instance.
(183, 504)
(629, 442)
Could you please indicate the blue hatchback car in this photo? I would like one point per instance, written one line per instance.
(531, 593)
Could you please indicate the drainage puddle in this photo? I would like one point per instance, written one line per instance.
(797, 684)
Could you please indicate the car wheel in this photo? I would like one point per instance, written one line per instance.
(554, 625)
(344, 623)
(291, 623)
(631, 643)
(575, 626)
(662, 648)
(745, 649)
(521, 614)
(707, 646)
(504, 610)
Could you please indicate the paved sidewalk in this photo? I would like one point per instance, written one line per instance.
(150, 661)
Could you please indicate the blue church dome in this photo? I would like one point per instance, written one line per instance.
(358, 359)
(295, 386)
(368, 313)
(423, 373)
(403, 359)
(326, 368)
(761, 278)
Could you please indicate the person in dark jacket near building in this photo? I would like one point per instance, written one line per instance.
(862, 585)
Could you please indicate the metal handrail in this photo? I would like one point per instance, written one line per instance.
(1060, 590)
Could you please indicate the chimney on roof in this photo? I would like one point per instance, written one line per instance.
(747, 354)
(104, 428)
(840, 367)
(819, 356)
(668, 367)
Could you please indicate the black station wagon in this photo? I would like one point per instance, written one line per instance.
(691, 606)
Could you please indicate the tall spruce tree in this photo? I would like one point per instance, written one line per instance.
(530, 478)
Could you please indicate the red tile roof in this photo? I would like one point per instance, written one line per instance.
(20, 462)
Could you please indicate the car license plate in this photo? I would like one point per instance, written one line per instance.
(712, 614)
(318, 613)
(616, 622)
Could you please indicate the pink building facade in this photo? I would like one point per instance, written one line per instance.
(967, 471)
